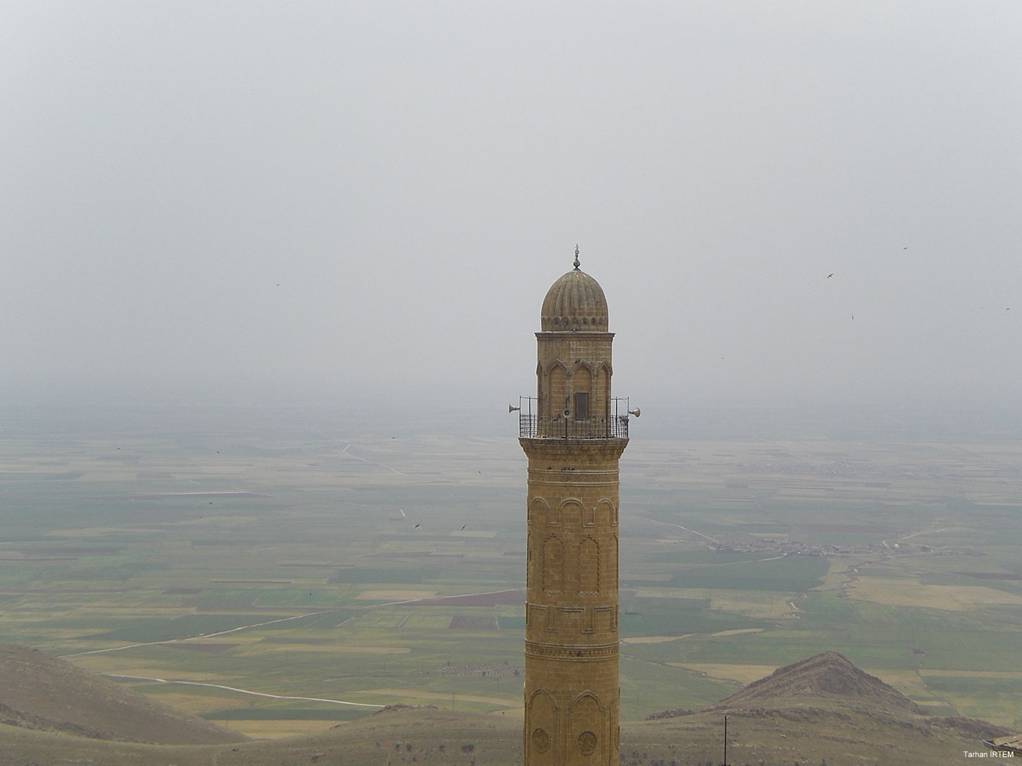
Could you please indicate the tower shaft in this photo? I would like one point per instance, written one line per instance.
(571, 623)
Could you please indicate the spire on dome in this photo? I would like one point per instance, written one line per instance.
(577, 264)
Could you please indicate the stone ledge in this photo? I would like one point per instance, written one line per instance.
(571, 652)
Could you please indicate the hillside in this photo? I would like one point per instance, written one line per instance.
(823, 708)
(823, 676)
(47, 694)
(819, 709)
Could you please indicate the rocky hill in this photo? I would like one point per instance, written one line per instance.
(47, 694)
(821, 709)
(824, 676)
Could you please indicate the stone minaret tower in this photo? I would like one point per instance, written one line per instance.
(573, 437)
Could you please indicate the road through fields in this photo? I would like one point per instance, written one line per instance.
(153, 679)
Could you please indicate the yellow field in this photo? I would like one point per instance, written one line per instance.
(278, 729)
(907, 682)
(333, 648)
(955, 598)
(665, 639)
(759, 604)
(837, 575)
(972, 673)
(104, 663)
(200, 703)
(394, 595)
(666, 593)
(442, 697)
(765, 605)
(744, 674)
(653, 639)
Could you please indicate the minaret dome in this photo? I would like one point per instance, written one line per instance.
(575, 302)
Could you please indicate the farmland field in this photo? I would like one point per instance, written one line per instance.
(280, 585)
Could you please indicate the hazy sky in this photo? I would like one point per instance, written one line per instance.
(305, 201)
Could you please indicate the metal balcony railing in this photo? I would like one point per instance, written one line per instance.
(560, 427)
(564, 425)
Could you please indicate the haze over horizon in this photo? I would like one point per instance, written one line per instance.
(361, 206)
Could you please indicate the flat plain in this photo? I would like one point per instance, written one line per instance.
(281, 585)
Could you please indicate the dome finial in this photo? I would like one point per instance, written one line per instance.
(577, 264)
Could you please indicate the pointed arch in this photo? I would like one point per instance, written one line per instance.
(571, 512)
(557, 386)
(612, 559)
(553, 565)
(539, 512)
(589, 567)
(584, 370)
(541, 731)
(586, 697)
(601, 394)
(549, 697)
(530, 574)
(588, 730)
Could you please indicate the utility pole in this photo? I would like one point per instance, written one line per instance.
(725, 740)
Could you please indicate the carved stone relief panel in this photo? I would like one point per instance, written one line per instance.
(587, 732)
(541, 725)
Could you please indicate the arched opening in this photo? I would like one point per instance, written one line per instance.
(603, 392)
(571, 513)
(529, 574)
(589, 567)
(558, 389)
(604, 513)
(588, 731)
(541, 729)
(539, 512)
(612, 563)
(553, 566)
(582, 389)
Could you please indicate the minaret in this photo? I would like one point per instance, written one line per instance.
(573, 437)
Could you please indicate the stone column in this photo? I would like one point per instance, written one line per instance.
(572, 695)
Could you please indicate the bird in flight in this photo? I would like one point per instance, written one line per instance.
(830, 275)
(403, 514)
(417, 525)
(463, 526)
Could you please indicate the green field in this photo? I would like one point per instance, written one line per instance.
(293, 567)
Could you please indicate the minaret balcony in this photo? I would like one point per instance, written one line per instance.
(560, 427)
